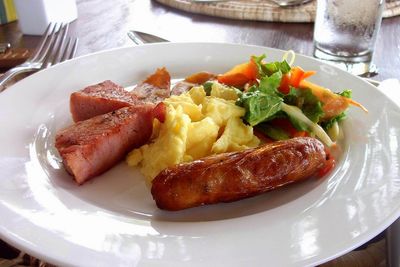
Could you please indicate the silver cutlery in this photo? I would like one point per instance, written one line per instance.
(52, 50)
(139, 38)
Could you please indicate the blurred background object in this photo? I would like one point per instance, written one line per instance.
(285, 3)
(345, 33)
(7, 11)
(35, 15)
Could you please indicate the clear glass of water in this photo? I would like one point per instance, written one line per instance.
(345, 33)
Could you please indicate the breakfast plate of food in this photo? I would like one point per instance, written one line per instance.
(186, 154)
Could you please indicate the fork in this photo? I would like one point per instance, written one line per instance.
(52, 50)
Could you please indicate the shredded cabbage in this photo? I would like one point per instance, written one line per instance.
(296, 113)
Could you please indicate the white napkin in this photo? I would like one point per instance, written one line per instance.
(391, 88)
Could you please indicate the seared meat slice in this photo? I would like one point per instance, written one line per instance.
(155, 88)
(233, 176)
(100, 99)
(107, 96)
(89, 148)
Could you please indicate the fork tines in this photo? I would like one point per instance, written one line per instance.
(70, 49)
(57, 50)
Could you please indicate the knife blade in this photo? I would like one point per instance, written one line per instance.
(140, 38)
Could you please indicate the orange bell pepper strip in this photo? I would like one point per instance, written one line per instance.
(296, 74)
(284, 87)
(293, 78)
(240, 74)
(308, 74)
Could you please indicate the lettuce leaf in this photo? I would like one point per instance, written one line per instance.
(269, 84)
(346, 93)
(329, 123)
(267, 69)
(262, 102)
(259, 106)
(307, 102)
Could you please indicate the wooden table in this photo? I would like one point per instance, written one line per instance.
(104, 24)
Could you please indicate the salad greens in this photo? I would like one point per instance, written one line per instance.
(265, 101)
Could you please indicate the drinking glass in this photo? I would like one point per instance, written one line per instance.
(345, 33)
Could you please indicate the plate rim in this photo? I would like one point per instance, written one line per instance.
(10, 238)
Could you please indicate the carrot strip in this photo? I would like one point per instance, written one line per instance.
(355, 103)
(240, 74)
(284, 86)
(324, 94)
(296, 74)
(308, 74)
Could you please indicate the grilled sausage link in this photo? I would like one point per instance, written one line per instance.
(233, 176)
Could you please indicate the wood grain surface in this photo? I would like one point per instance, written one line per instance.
(103, 25)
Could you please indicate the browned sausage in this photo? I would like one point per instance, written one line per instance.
(232, 176)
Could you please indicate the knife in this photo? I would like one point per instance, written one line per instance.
(140, 38)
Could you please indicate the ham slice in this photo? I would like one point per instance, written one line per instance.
(110, 121)
(100, 99)
(91, 147)
(107, 96)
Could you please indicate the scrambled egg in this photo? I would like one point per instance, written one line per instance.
(196, 126)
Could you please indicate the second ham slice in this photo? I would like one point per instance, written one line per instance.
(108, 96)
(99, 99)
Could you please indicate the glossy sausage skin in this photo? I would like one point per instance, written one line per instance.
(232, 176)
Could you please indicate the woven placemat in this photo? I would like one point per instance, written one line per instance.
(262, 10)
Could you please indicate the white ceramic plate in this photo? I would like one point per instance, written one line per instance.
(112, 220)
